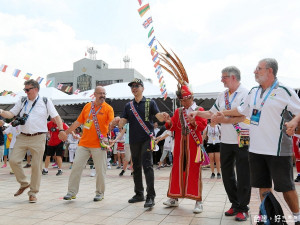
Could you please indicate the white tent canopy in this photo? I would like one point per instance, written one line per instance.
(122, 91)
(113, 91)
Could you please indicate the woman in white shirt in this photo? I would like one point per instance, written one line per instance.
(213, 134)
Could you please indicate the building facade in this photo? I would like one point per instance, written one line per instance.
(88, 73)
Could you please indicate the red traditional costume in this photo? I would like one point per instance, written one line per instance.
(185, 177)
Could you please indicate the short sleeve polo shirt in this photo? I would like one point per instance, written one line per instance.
(269, 136)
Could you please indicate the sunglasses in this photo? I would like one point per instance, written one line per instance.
(27, 89)
(135, 86)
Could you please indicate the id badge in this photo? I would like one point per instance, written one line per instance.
(88, 124)
(255, 117)
(244, 138)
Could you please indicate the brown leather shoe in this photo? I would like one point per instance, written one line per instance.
(32, 199)
(21, 190)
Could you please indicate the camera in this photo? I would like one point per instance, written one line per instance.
(19, 120)
(53, 129)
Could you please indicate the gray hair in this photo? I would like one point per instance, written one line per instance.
(232, 71)
(33, 83)
(271, 63)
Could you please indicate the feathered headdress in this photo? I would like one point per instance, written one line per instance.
(175, 67)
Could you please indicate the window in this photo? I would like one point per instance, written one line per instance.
(84, 82)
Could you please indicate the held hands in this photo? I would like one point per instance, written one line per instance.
(166, 117)
(291, 126)
(62, 135)
(218, 117)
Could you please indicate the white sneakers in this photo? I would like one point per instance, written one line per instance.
(198, 207)
(93, 173)
(171, 202)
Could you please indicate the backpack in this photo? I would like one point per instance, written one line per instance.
(270, 211)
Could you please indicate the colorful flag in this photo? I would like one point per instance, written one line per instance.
(160, 79)
(150, 32)
(76, 92)
(59, 86)
(140, 2)
(164, 91)
(154, 57)
(147, 22)
(157, 63)
(3, 68)
(39, 80)
(158, 74)
(151, 42)
(48, 83)
(153, 50)
(143, 9)
(27, 76)
(157, 69)
(68, 89)
(4, 93)
(16, 72)
(165, 96)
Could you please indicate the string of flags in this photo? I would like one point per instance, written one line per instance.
(148, 25)
(27, 76)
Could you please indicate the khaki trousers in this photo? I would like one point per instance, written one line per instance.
(82, 156)
(36, 145)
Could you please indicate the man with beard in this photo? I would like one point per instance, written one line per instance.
(270, 106)
(95, 118)
(234, 156)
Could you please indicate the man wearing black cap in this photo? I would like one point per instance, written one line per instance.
(138, 113)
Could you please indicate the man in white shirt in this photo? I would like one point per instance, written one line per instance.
(31, 116)
(232, 153)
(270, 106)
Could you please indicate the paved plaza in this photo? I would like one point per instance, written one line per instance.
(114, 208)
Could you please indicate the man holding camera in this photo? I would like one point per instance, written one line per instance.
(31, 114)
(54, 146)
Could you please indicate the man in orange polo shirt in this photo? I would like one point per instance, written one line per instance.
(95, 118)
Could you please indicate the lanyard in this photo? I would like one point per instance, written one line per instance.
(227, 103)
(263, 102)
(93, 109)
(26, 103)
(228, 107)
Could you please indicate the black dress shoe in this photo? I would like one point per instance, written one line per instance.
(149, 203)
(136, 198)
(297, 179)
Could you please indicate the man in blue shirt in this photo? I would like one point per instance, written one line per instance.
(138, 113)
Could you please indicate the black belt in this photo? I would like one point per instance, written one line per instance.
(38, 133)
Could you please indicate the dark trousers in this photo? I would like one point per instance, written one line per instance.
(142, 157)
(237, 185)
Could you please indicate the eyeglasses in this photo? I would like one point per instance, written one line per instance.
(224, 77)
(100, 93)
(259, 68)
(27, 89)
(135, 86)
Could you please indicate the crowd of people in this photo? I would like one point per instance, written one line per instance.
(248, 141)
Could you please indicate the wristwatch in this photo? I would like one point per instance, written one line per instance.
(61, 130)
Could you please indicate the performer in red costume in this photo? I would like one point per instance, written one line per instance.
(185, 177)
(297, 155)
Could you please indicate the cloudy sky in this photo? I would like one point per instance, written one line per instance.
(46, 36)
